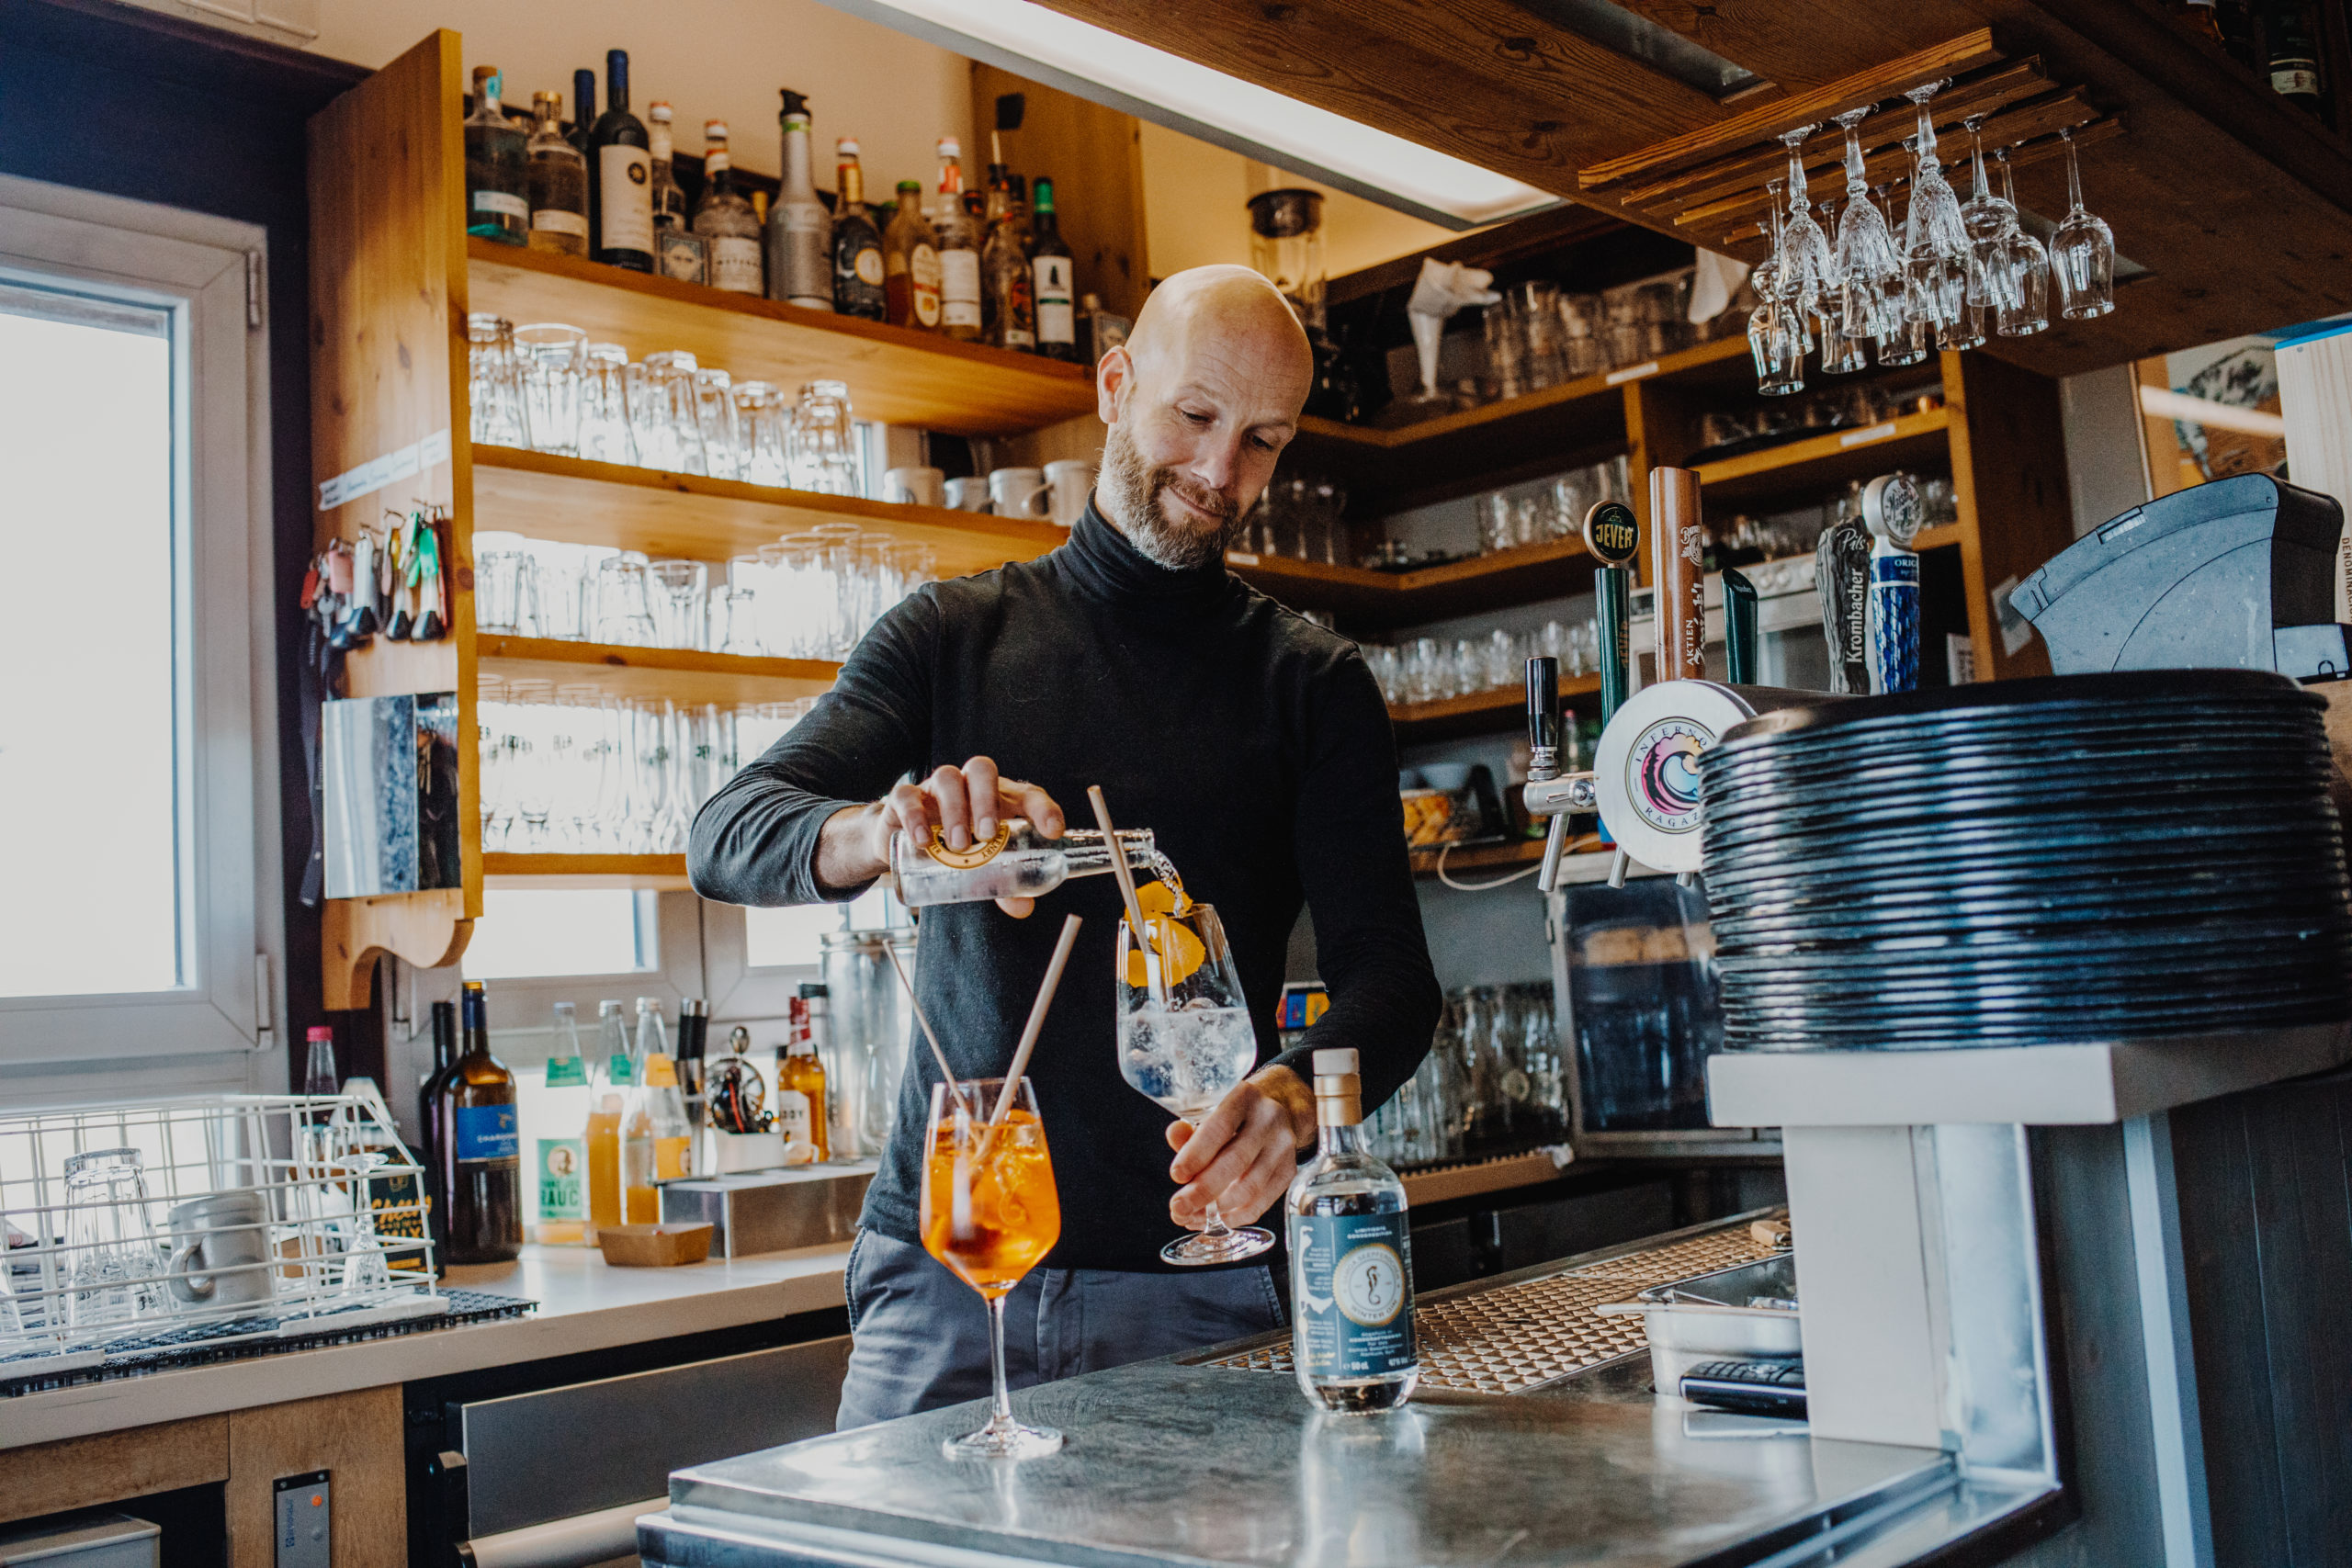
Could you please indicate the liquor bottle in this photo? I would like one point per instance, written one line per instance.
(1018, 862)
(2294, 61)
(584, 109)
(498, 200)
(431, 1133)
(959, 249)
(1352, 1259)
(668, 200)
(800, 231)
(482, 1165)
(2237, 31)
(910, 263)
(800, 1103)
(840, 1136)
(1053, 272)
(723, 218)
(857, 244)
(559, 183)
(559, 1174)
(2202, 20)
(620, 177)
(616, 1081)
(1008, 288)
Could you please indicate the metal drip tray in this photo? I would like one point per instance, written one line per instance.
(1508, 1339)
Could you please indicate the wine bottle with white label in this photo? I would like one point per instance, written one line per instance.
(1050, 265)
(1351, 1259)
(481, 1153)
(620, 176)
(497, 203)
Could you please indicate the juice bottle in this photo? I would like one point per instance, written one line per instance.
(615, 1077)
(559, 1187)
(657, 1142)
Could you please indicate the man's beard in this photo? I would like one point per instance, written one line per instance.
(1134, 490)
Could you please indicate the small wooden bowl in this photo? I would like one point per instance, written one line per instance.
(655, 1247)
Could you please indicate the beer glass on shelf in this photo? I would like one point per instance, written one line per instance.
(1185, 1040)
(989, 1213)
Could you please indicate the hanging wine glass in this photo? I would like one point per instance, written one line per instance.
(1902, 340)
(2082, 253)
(1775, 338)
(1840, 354)
(1988, 220)
(1869, 270)
(1808, 270)
(1935, 243)
(2027, 266)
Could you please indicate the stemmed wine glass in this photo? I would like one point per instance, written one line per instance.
(2082, 253)
(2027, 311)
(1840, 354)
(989, 1213)
(1904, 338)
(1808, 271)
(1868, 271)
(1775, 328)
(1186, 1041)
(1936, 247)
(1987, 219)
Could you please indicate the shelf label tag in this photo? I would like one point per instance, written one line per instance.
(1632, 373)
(378, 472)
(1875, 433)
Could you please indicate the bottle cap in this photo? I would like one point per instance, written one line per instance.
(607, 1008)
(846, 147)
(714, 130)
(647, 1004)
(1331, 1062)
(321, 1032)
(906, 186)
(659, 1072)
(658, 111)
(950, 148)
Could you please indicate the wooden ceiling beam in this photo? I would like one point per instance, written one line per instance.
(1804, 44)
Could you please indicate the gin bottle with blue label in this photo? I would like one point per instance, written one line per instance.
(1351, 1259)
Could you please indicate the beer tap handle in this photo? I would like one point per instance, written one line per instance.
(1543, 717)
(1892, 510)
(1555, 843)
(1613, 534)
(1739, 626)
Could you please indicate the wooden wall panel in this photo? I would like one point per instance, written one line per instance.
(354, 1437)
(106, 1467)
(388, 305)
(2009, 451)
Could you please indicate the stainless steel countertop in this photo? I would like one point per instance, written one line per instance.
(1199, 1464)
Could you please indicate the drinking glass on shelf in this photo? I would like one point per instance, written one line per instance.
(824, 442)
(560, 568)
(735, 621)
(603, 405)
(675, 589)
(759, 422)
(551, 359)
(715, 421)
(1422, 676)
(1186, 1041)
(114, 1267)
(624, 617)
(989, 1213)
(1496, 522)
(664, 419)
(1503, 662)
(507, 588)
(2082, 253)
(493, 382)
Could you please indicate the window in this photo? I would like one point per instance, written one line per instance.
(138, 761)
(533, 934)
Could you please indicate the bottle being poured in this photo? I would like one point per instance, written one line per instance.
(1016, 861)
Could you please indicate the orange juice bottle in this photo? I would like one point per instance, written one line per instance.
(616, 1078)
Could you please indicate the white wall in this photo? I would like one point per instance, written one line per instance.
(711, 59)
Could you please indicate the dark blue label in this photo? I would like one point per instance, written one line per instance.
(487, 1131)
(1352, 1288)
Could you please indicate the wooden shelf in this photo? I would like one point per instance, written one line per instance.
(895, 374)
(1825, 461)
(620, 504)
(1522, 576)
(685, 676)
(663, 873)
(1477, 713)
(1435, 1184)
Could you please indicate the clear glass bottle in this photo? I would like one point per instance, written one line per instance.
(498, 201)
(1009, 288)
(1018, 862)
(857, 244)
(657, 1141)
(723, 218)
(668, 198)
(559, 182)
(959, 249)
(559, 1172)
(910, 263)
(800, 230)
(616, 1081)
(1351, 1259)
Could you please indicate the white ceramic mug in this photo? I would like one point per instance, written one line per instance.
(1071, 481)
(969, 495)
(1018, 492)
(917, 486)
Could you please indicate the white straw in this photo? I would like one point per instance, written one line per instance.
(1036, 1023)
(1126, 881)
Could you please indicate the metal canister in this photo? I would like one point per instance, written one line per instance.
(873, 1022)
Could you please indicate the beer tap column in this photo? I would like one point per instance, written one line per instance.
(1613, 534)
(1550, 793)
(1893, 513)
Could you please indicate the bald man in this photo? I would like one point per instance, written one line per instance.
(1253, 742)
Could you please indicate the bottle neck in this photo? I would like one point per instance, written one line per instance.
(951, 178)
(852, 183)
(1338, 1138)
(799, 184)
(473, 1024)
(1087, 855)
(658, 142)
(617, 84)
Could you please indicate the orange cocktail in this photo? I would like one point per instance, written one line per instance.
(989, 1213)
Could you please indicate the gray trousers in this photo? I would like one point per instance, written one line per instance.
(922, 1334)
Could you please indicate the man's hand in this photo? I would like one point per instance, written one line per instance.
(1244, 1153)
(965, 803)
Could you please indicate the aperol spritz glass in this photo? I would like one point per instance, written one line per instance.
(989, 1213)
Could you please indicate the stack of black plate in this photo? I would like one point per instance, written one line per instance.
(2090, 857)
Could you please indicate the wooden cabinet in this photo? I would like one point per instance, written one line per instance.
(393, 277)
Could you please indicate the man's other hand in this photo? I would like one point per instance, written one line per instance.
(1244, 1153)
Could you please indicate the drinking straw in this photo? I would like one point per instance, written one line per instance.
(1128, 892)
(938, 1054)
(1036, 1023)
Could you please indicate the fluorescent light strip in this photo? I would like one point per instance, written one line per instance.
(1111, 69)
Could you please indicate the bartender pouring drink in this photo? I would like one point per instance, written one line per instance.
(1254, 743)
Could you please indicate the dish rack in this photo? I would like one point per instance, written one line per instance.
(175, 1222)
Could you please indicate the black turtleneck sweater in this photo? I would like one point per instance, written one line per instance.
(1251, 741)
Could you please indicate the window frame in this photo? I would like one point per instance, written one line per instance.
(201, 269)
